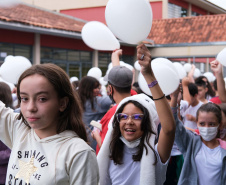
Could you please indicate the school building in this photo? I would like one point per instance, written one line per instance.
(43, 36)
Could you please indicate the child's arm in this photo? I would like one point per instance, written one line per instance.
(182, 137)
(115, 57)
(217, 68)
(191, 74)
(186, 94)
(8, 119)
(167, 133)
(96, 135)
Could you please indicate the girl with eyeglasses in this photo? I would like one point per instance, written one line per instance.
(129, 154)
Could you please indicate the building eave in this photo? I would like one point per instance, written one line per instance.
(208, 6)
(49, 31)
(40, 30)
(192, 44)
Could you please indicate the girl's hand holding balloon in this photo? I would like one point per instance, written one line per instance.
(144, 57)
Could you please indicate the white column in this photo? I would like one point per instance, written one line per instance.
(189, 10)
(95, 58)
(207, 64)
(37, 50)
(164, 9)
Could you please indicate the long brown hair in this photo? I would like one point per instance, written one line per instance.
(116, 145)
(210, 89)
(71, 117)
(85, 90)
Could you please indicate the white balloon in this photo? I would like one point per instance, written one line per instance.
(95, 72)
(8, 83)
(121, 63)
(107, 72)
(102, 81)
(221, 57)
(9, 58)
(209, 76)
(137, 66)
(164, 61)
(106, 75)
(128, 66)
(73, 79)
(129, 20)
(103, 90)
(13, 67)
(197, 73)
(187, 67)
(98, 36)
(180, 69)
(110, 65)
(143, 84)
(167, 78)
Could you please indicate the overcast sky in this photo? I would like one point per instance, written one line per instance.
(221, 3)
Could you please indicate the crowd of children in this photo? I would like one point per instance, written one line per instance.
(144, 140)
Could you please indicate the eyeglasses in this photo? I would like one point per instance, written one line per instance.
(124, 117)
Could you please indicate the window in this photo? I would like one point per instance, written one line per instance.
(105, 59)
(195, 14)
(75, 63)
(184, 12)
(15, 50)
(175, 11)
(128, 59)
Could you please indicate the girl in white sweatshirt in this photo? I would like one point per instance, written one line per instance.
(129, 154)
(48, 138)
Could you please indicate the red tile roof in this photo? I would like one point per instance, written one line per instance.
(29, 15)
(209, 28)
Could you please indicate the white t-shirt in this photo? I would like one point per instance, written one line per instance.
(209, 164)
(128, 173)
(186, 109)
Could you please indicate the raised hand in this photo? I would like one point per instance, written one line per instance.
(115, 57)
(144, 57)
(216, 67)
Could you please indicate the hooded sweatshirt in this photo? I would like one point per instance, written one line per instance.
(149, 174)
(61, 159)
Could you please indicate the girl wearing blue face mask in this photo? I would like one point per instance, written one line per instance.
(204, 154)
